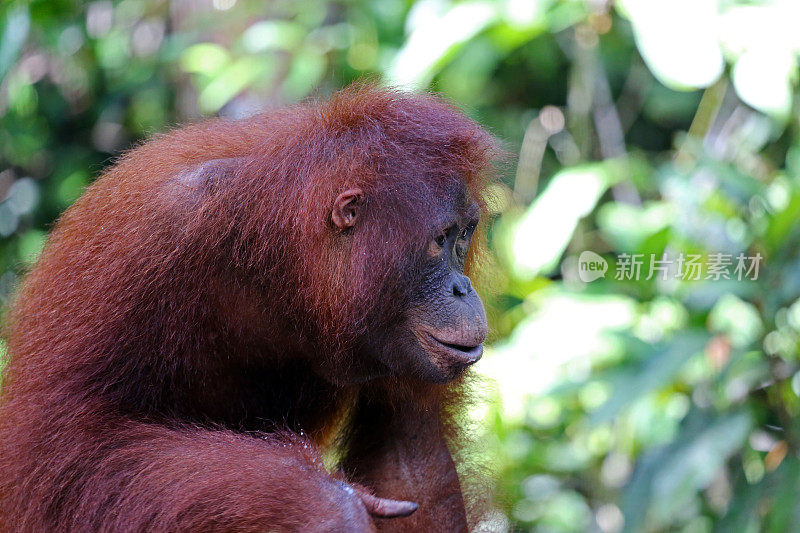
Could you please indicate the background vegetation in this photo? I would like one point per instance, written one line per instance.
(641, 127)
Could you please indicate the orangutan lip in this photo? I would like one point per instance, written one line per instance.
(464, 354)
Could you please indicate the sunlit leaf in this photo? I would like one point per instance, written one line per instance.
(541, 236)
(272, 34)
(763, 78)
(205, 58)
(676, 41)
(435, 35)
(229, 82)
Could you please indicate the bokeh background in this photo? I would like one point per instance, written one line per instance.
(644, 126)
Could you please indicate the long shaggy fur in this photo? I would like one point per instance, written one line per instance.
(198, 268)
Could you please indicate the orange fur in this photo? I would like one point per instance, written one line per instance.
(189, 331)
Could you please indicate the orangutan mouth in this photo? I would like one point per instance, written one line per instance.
(463, 354)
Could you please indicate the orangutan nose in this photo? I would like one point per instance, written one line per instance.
(461, 285)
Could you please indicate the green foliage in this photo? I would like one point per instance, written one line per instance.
(638, 404)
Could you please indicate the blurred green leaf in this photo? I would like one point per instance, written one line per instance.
(204, 58)
(15, 27)
(666, 479)
(657, 369)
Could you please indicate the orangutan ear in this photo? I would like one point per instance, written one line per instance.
(346, 207)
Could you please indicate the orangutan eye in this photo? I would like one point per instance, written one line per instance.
(440, 240)
(464, 234)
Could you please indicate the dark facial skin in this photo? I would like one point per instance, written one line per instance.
(447, 317)
(443, 326)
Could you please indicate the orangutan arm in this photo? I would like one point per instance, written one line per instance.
(402, 454)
